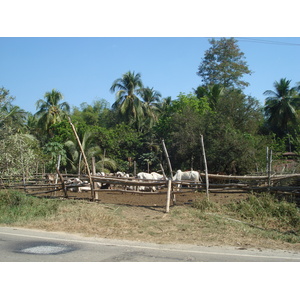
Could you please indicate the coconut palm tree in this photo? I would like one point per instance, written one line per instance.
(15, 117)
(164, 104)
(280, 106)
(50, 111)
(90, 150)
(212, 93)
(127, 102)
(151, 103)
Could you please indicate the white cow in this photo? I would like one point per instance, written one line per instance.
(100, 174)
(75, 182)
(193, 176)
(80, 186)
(122, 174)
(157, 176)
(146, 176)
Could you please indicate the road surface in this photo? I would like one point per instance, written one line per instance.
(24, 245)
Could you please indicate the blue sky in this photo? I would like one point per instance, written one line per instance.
(83, 68)
(80, 48)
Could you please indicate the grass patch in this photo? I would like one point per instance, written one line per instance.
(261, 215)
(266, 211)
(17, 207)
(258, 221)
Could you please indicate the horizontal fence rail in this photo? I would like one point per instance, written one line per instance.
(40, 184)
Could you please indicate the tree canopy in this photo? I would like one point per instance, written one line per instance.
(224, 64)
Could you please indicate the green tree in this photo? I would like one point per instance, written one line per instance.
(211, 94)
(281, 106)
(230, 132)
(50, 111)
(151, 100)
(52, 150)
(5, 104)
(91, 149)
(95, 114)
(243, 112)
(224, 63)
(20, 153)
(164, 104)
(120, 143)
(127, 102)
(15, 117)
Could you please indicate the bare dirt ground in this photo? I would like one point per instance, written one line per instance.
(160, 200)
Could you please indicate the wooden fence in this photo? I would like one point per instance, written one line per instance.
(58, 187)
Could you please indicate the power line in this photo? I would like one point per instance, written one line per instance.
(253, 40)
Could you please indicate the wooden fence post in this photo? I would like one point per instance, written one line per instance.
(267, 160)
(94, 173)
(168, 159)
(79, 164)
(84, 157)
(206, 171)
(269, 168)
(163, 171)
(56, 175)
(134, 168)
(169, 195)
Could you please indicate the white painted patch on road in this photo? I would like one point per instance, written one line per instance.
(44, 250)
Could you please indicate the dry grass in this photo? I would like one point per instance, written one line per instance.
(183, 225)
(203, 223)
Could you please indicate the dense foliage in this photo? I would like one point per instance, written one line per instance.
(235, 127)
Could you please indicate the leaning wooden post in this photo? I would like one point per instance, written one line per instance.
(168, 159)
(205, 164)
(163, 171)
(62, 183)
(169, 195)
(170, 167)
(84, 157)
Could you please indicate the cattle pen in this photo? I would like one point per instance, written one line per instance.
(60, 185)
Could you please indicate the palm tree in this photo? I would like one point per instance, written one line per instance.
(14, 117)
(91, 150)
(212, 93)
(127, 102)
(164, 105)
(151, 103)
(50, 111)
(280, 106)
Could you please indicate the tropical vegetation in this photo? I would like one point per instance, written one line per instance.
(236, 127)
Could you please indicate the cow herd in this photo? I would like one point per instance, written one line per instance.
(155, 180)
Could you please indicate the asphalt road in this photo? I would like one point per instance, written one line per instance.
(24, 245)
